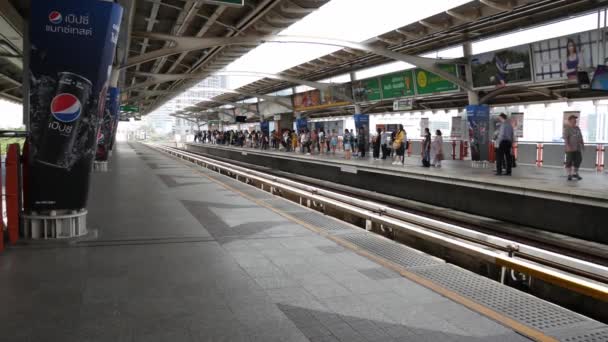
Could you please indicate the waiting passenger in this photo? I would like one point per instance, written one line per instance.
(437, 149)
(505, 145)
(322, 139)
(426, 148)
(574, 145)
(399, 146)
(362, 141)
(384, 138)
(334, 141)
(347, 142)
(376, 144)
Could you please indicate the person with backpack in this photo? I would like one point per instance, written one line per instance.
(426, 148)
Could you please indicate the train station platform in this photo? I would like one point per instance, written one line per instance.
(527, 198)
(179, 253)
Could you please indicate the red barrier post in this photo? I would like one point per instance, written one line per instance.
(12, 192)
(1, 219)
(492, 152)
(25, 171)
(539, 155)
(599, 153)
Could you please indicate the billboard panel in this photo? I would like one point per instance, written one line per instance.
(502, 68)
(73, 43)
(560, 58)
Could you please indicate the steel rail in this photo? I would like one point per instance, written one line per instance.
(434, 231)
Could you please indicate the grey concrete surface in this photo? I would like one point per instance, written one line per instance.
(178, 257)
(546, 179)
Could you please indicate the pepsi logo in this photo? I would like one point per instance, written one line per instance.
(55, 17)
(66, 108)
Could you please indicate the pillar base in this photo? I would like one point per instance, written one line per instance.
(100, 166)
(56, 224)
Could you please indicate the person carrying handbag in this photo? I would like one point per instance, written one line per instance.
(399, 146)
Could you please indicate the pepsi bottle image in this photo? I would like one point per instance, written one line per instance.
(66, 111)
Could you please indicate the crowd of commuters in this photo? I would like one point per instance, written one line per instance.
(354, 143)
(389, 145)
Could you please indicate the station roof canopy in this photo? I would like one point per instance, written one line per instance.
(474, 20)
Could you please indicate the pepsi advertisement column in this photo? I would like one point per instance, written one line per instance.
(73, 43)
(106, 131)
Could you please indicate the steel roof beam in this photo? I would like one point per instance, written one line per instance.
(505, 7)
(161, 78)
(183, 44)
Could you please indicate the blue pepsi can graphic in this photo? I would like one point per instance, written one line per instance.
(66, 111)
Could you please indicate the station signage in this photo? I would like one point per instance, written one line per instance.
(400, 84)
(403, 104)
(129, 109)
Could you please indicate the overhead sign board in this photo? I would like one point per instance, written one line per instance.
(403, 104)
(129, 109)
(430, 83)
(396, 85)
(234, 3)
(367, 90)
(502, 68)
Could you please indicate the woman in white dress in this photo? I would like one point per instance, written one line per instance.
(437, 149)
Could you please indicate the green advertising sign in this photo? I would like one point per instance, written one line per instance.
(429, 83)
(129, 109)
(238, 3)
(367, 90)
(396, 85)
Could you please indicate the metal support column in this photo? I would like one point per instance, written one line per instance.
(353, 78)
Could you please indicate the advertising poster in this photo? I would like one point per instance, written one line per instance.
(424, 124)
(104, 137)
(478, 120)
(362, 122)
(502, 68)
(561, 58)
(320, 99)
(301, 123)
(429, 83)
(367, 90)
(72, 49)
(517, 121)
(400, 84)
(456, 132)
(265, 127)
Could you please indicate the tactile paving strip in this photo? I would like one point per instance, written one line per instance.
(285, 205)
(525, 308)
(599, 335)
(392, 251)
(325, 223)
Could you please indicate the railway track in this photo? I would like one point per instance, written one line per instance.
(564, 271)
